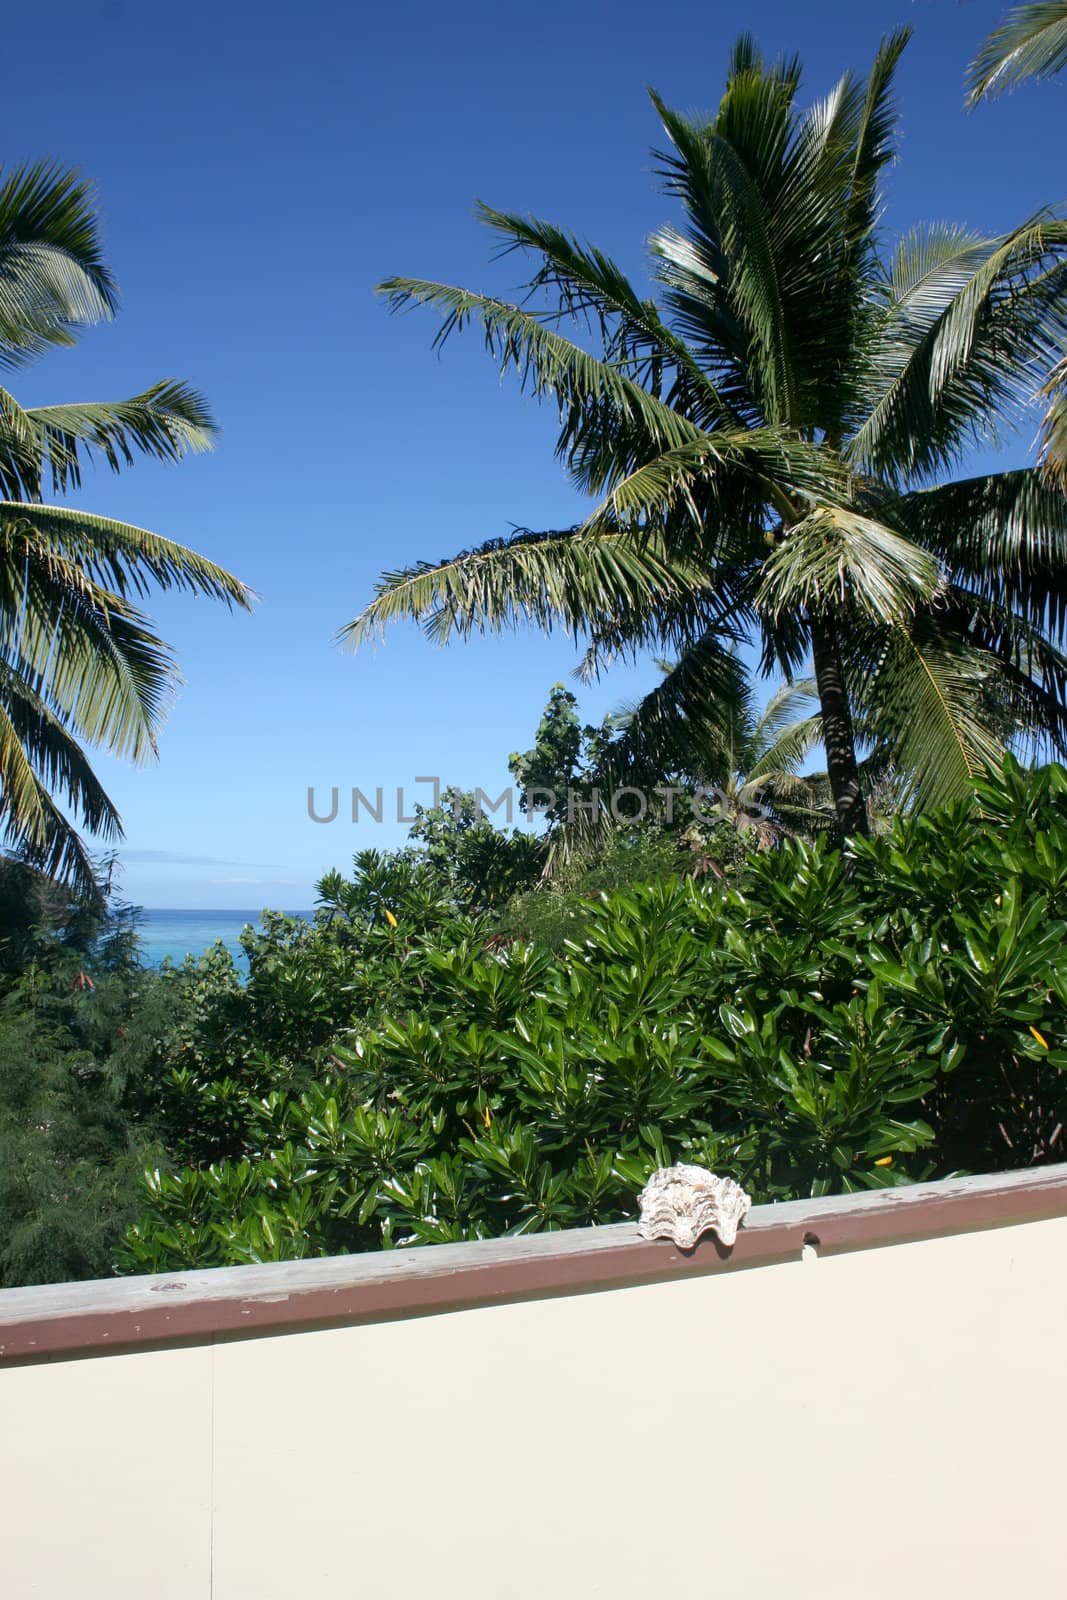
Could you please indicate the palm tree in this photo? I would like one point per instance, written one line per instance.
(1030, 43)
(770, 442)
(79, 661)
(723, 740)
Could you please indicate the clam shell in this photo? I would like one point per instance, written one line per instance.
(682, 1203)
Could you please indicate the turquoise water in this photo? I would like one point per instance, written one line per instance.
(180, 933)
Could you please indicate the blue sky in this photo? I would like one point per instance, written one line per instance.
(260, 168)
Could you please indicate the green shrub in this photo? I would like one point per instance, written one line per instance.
(816, 1024)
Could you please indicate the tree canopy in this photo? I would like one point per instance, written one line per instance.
(771, 441)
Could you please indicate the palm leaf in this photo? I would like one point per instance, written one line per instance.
(770, 276)
(85, 650)
(57, 761)
(30, 821)
(546, 362)
(61, 854)
(20, 451)
(783, 735)
(1027, 672)
(969, 330)
(683, 725)
(873, 141)
(53, 278)
(711, 174)
(122, 554)
(835, 555)
(570, 579)
(780, 760)
(1053, 447)
(781, 711)
(1004, 532)
(696, 479)
(587, 284)
(167, 422)
(1031, 42)
(926, 693)
(718, 604)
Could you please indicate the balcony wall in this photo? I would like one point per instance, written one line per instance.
(878, 1411)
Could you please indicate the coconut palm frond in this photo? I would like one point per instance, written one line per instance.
(131, 559)
(1052, 452)
(927, 693)
(687, 721)
(167, 422)
(1004, 532)
(588, 285)
(835, 554)
(792, 702)
(39, 748)
(969, 331)
(567, 579)
(1031, 42)
(547, 363)
(78, 661)
(792, 745)
(53, 277)
(87, 652)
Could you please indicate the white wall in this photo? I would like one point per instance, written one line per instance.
(880, 1423)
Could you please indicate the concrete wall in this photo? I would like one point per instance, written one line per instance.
(886, 1421)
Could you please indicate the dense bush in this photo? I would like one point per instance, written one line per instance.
(429, 1062)
(405, 1071)
(76, 1126)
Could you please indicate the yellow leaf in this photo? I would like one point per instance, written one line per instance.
(886, 1161)
(488, 1118)
(390, 919)
(1042, 1041)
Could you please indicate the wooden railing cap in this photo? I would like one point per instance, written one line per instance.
(80, 1319)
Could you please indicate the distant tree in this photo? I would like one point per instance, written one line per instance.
(79, 660)
(479, 866)
(556, 772)
(674, 738)
(751, 756)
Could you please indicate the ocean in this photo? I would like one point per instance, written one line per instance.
(180, 933)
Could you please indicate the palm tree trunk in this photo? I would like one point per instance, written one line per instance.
(838, 736)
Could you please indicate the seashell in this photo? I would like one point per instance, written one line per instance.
(682, 1202)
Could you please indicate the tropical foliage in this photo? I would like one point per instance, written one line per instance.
(701, 771)
(770, 442)
(802, 1026)
(79, 660)
(407, 1068)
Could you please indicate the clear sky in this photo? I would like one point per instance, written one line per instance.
(260, 168)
